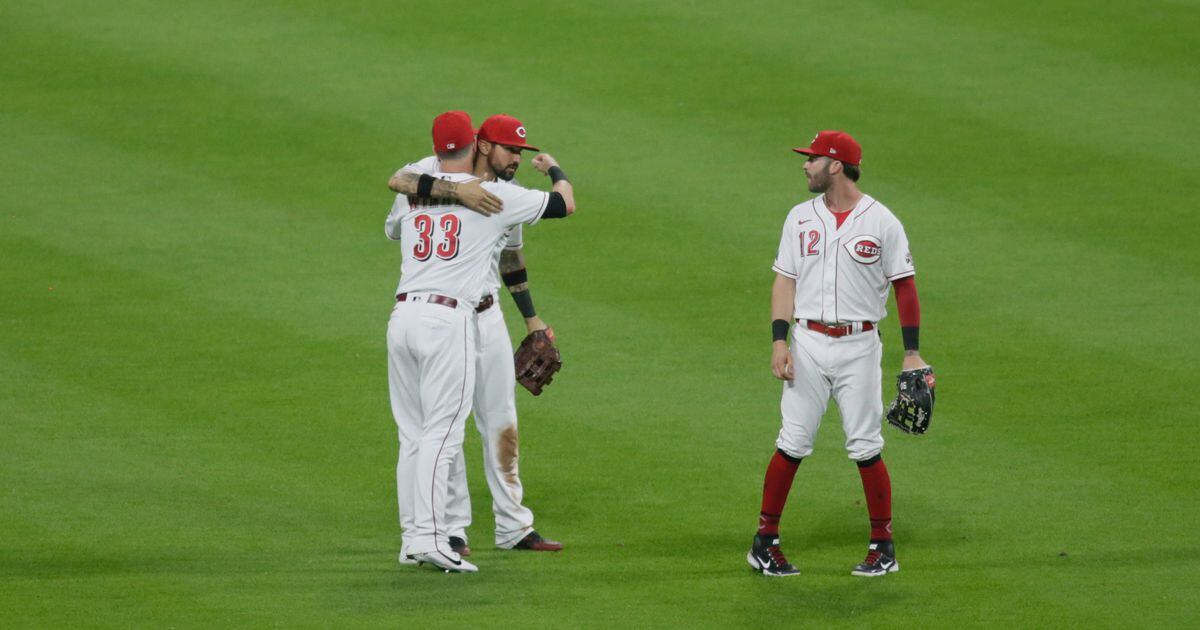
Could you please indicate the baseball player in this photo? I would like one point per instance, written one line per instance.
(432, 342)
(501, 139)
(838, 255)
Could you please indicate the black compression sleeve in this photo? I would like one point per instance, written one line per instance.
(911, 336)
(524, 303)
(556, 208)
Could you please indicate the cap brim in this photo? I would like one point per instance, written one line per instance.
(524, 147)
(521, 146)
(805, 151)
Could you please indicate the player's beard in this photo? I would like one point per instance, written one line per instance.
(504, 173)
(819, 182)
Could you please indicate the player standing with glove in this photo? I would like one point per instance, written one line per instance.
(501, 140)
(837, 257)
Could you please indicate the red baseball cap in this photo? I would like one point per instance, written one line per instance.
(452, 131)
(506, 130)
(835, 144)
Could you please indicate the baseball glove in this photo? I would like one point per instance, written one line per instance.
(537, 360)
(912, 409)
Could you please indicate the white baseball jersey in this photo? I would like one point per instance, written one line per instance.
(431, 165)
(842, 274)
(494, 405)
(449, 249)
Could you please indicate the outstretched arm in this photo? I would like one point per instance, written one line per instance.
(516, 278)
(470, 193)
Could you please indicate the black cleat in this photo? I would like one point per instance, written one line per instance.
(881, 560)
(766, 557)
(459, 546)
(533, 541)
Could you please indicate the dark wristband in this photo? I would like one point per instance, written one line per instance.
(514, 278)
(779, 330)
(911, 335)
(524, 304)
(425, 186)
(556, 174)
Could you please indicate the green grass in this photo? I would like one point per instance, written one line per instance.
(195, 289)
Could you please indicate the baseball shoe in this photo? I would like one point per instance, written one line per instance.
(405, 557)
(881, 560)
(534, 542)
(765, 556)
(450, 563)
(459, 546)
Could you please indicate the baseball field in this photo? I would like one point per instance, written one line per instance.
(195, 285)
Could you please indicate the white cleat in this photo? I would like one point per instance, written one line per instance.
(449, 562)
(405, 558)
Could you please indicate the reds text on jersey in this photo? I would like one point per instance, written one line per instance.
(842, 274)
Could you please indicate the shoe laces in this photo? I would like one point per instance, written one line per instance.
(777, 555)
(872, 557)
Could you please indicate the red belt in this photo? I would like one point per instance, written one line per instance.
(836, 331)
(434, 298)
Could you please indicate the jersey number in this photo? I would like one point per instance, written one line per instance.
(814, 237)
(447, 248)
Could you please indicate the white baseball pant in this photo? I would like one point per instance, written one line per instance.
(848, 368)
(495, 408)
(431, 354)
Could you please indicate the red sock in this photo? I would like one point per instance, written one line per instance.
(877, 486)
(776, 486)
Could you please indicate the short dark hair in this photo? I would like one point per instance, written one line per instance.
(454, 155)
(852, 171)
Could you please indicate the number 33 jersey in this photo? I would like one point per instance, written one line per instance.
(843, 273)
(448, 249)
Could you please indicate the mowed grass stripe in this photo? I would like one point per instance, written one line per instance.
(594, 465)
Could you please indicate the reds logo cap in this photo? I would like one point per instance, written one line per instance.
(452, 131)
(506, 130)
(835, 144)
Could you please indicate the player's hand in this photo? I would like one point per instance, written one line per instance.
(913, 362)
(781, 361)
(472, 195)
(543, 161)
(535, 323)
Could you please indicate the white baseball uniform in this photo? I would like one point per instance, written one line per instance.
(495, 408)
(432, 342)
(842, 279)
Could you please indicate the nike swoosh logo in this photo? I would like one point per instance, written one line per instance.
(886, 565)
(803, 221)
(452, 560)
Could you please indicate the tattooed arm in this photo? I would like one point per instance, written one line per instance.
(470, 194)
(512, 270)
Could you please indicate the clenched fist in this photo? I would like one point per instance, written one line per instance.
(543, 161)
